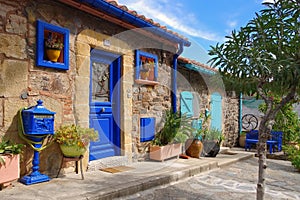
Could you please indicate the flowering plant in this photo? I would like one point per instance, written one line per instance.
(9, 147)
(75, 135)
(53, 42)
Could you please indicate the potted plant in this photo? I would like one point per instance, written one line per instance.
(242, 138)
(9, 162)
(194, 145)
(53, 46)
(168, 141)
(74, 139)
(200, 128)
(212, 142)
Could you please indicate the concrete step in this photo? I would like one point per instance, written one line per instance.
(108, 162)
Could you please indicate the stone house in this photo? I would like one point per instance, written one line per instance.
(211, 96)
(116, 71)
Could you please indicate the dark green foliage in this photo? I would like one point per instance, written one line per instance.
(176, 129)
(214, 134)
(6, 146)
(293, 153)
(265, 51)
(286, 121)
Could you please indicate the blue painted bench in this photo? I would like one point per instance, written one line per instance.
(274, 141)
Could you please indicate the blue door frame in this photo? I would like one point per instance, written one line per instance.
(105, 115)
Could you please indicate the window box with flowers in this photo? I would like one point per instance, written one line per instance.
(52, 46)
(146, 68)
(74, 140)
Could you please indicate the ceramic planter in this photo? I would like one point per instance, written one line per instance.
(53, 54)
(160, 153)
(210, 148)
(72, 151)
(242, 139)
(10, 171)
(194, 148)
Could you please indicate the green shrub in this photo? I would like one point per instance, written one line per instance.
(286, 121)
(176, 129)
(293, 155)
(9, 147)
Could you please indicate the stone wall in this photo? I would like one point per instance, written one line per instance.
(195, 82)
(22, 83)
(151, 101)
(188, 80)
(231, 121)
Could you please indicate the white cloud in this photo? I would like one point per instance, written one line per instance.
(166, 14)
(232, 24)
(268, 1)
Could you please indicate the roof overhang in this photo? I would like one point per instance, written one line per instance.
(124, 18)
(196, 66)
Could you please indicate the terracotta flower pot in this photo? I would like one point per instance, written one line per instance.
(161, 153)
(53, 54)
(194, 148)
(242, 139)
(10, 171)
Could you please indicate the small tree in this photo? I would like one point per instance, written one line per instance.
(264, 57)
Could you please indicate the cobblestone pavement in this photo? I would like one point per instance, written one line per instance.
(236, 181)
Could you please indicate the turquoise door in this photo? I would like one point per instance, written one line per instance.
(216, 111)
(104, 104)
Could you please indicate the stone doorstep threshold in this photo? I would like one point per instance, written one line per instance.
(107, 162)
(174, 175)
(146, 183)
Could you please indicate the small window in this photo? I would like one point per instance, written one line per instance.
(146, 68)
(52, 46)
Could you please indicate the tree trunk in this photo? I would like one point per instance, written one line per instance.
(262, 166)
(265, 129)
(264, 133)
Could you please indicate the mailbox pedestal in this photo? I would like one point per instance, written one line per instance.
(38, 123)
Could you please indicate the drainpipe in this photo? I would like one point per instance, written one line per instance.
(174, 78)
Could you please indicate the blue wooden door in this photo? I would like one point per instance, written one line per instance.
(104, 104)
(216, 111)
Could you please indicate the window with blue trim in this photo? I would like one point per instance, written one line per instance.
(52, 46)
(146, 68)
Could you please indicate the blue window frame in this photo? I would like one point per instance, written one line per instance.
(146, 67)
(46, 31)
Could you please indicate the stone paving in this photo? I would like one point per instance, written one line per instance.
(102, 185)
(231, 175)
(236, 181)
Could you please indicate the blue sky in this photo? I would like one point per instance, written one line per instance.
(204, 22)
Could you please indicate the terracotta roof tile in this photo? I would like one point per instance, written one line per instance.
(196, 63)
(141, 17)
(133, 12)
(123, 8)
(115, 3)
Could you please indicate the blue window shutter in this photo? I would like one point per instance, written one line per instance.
(216, 111)
(186, 103)
(147, 129)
